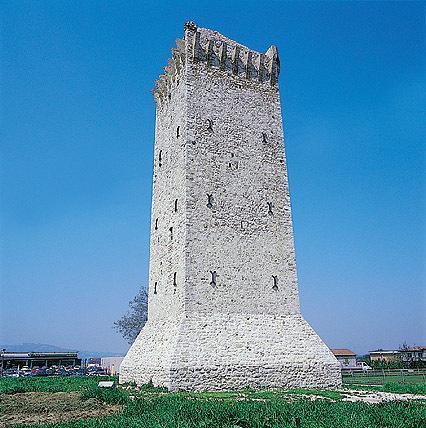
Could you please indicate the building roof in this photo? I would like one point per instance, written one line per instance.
(342, 352)
(26, 355)
(384, 351)
(413, 349)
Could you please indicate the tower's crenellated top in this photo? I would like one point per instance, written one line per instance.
(172, 72)
(213, 50)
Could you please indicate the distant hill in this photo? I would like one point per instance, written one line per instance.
(42, 347)
(36, 347)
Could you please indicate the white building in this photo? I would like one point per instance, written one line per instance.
(345, 357)
(111, 364)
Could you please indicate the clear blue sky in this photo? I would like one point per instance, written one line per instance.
(77, 146)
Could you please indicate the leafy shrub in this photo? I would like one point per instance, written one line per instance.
(106, 395)
(149, 387)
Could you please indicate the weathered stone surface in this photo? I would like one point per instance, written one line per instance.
(223, 298)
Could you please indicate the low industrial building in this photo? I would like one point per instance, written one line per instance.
(38, 359)
(385, 355)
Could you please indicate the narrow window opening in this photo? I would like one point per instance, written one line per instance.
(160, 156)
(270, 205)
(155, 288)
(176, 205)
(209, 200)
(210, 125)
(264, 138)
(156, 224)
(174, 282)
(171, 233)
(275, 286)
(178, 132)
(233, 165)
(214, 277)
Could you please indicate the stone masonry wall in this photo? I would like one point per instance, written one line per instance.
(168, 233)
(246, 235)
(149, 358)
(223, 299)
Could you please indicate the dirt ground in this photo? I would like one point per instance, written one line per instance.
(44, 407)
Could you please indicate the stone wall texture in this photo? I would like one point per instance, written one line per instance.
(223, 297)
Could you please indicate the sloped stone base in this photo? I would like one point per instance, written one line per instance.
(224, 352)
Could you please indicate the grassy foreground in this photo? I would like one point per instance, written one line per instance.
(176, 411)
(152, 408)
(10, 385)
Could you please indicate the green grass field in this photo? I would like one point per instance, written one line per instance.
(151, 407)
(409, 382)
(380, 380)
(176, 411)
(10, 385)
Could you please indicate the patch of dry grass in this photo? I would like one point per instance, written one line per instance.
(47, 407)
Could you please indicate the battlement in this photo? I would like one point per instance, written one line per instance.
(216, 50)
(204, 46)
(172, 71)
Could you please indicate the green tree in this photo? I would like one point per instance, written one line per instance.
(131, 323)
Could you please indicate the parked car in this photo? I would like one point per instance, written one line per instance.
(25, 371)
(360, 366)
(11, 372)
(95, 371)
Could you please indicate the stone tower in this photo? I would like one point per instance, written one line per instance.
(223, 297)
